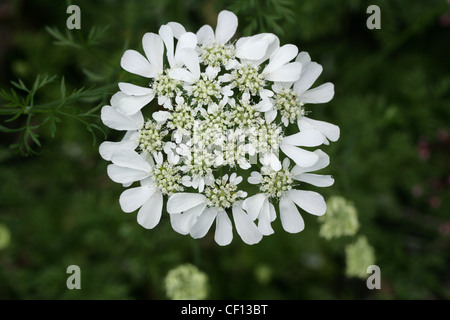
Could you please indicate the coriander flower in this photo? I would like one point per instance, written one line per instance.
(215, 110)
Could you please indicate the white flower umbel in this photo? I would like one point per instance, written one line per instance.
(163, 179)
(210, 108)
(280, 186)
(195, 213)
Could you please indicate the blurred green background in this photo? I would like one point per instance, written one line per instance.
(392, 103)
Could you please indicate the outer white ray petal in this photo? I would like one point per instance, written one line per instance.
(301, 157)
(205, 35)
(227, 23)
(203, 223)
(291, 220)
(281, 57)
(321, 94)
(177, 29)
(307, 138)
(150, 213)
(125, 175)
(154, 49)
(309, 75)
(114, 119)
(134, 90)
(254, 47)
(107, 148)
(287, 73)
(190, 60)
(329, 130)
(304, 58)
(183, 75)
(129, 105)
(181, 202)
(322, 162)
(253, 205)
(130, 159)
(264, 225)
(224, 229)
(133, 198)
(317, 180)
(309, 201)
(183, 222)
(245, 226)
(166, 34)
(134, 62)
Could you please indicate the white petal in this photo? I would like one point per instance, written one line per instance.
(245, 226)
(270, 115)
(271, 49)
(309, 201)
(150, 213)
(166, 34)
(187, 41)
(253, 205)
(324, 161)
(264, 105)
(205, 35)
(307, 138)
(131, 104)
(190, 60)
(304, 58)
(125, 175)
(134, 90)
(331, 131)
(134, 62)
(107, 148)
(255, 178)
(133, 198)
(130, 159)
(224, 229)
(203, 223)
(272, 212)
(183, 222)
(181, 202)
(114, 119)
(287, 73)
(177, 29)
(227, 23)
(161, 116)
(309, 75)
(317, 180)
(275, 163)
(320, 94)
(254, 47)
(154, 49)
(291, 220)
(264, 225)
(282, 56)
(183, 75)
(301, 157)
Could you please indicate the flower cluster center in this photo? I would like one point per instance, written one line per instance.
(165, 86)
(204, 91)
(247, 78)
(289, 106)
(216, 55)
(151, 136)
(276, 183)
(167, 178)
(222, 194)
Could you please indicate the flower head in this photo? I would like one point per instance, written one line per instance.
(213, 109)
(186, 282)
